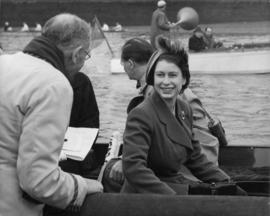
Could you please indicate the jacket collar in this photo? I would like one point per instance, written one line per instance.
(43, 48)
(177, 131)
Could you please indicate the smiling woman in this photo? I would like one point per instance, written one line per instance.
(168, 71)
(168, 80)
(158, 138)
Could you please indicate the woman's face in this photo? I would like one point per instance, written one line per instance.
(168, 80)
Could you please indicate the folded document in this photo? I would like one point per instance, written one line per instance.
(78, 142)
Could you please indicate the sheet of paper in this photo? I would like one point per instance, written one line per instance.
(78, 142)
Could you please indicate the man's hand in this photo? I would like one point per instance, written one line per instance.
(117, 172)
(93, 186)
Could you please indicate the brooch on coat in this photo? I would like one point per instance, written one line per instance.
(183, 116)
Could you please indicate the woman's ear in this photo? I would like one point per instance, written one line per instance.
(76, 55)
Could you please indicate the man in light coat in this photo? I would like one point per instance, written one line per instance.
(35, 105)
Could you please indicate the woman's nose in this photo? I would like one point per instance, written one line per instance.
(166, 80)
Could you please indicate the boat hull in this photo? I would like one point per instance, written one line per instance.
(144, 205)
(229, 62)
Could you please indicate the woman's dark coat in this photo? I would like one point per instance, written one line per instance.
(156, 145)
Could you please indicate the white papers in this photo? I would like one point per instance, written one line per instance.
(78, 142)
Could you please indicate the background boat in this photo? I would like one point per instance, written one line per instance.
(239, 61)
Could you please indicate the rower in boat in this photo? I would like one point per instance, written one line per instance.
(7, 27)
(118, 27)
(197, 42)
(38, 27)
(25, 27)
(210, 40)
(105, 27)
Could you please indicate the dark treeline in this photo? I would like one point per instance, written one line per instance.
(130, 13)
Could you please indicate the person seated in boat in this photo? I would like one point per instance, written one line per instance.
(210, 40)
(7, 27)
(105, 27)
(84, 113)
(25, 27)
(136, 53)
(134, 57)
(197, 42)
(38, 27)
(118, 27)
(158, 138)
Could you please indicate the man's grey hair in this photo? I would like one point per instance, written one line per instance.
(67, 30)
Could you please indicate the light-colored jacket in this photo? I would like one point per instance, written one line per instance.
(209, 143)
(35, 105)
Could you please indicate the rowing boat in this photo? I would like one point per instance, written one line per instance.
(232, 61)
(238, 158)
(106, 204)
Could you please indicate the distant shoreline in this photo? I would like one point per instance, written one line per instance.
(242, 33)
(131, 12)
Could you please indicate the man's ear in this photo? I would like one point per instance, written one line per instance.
(76, 55)
(131, 64)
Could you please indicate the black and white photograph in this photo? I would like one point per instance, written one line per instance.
(134, 107)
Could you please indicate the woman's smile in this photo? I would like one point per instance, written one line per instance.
(167, 90)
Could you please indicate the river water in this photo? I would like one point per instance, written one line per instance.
(241, 102)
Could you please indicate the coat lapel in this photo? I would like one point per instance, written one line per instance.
(175, 130)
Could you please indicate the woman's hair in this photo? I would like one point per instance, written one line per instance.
(138, 50)
(171, 51)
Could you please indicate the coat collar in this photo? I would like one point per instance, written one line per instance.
(43, 48)
(177, 131)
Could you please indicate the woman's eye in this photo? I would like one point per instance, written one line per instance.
(160, 75)
(173, 75)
